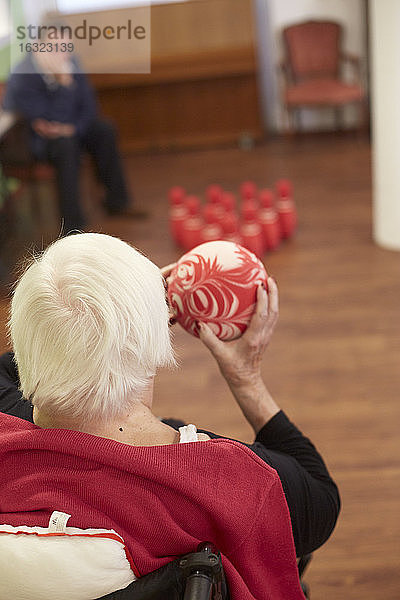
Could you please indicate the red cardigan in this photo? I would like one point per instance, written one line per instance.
(162, 500)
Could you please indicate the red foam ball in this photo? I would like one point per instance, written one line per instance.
(216, 283)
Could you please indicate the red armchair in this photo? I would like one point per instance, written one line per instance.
(312, 71)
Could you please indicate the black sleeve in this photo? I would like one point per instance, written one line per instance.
(311, 494)
(11, 399)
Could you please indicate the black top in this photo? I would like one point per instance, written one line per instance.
(311, 494)
(11, 400)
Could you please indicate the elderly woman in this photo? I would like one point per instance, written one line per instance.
(89, 329)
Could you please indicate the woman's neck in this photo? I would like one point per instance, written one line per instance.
(138, 427)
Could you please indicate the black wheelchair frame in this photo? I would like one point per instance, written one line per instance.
(195, 576)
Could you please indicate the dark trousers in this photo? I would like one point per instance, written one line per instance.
(65, 155)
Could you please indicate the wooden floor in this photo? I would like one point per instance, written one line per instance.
(334, 362)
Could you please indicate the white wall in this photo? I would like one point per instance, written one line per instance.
(266, 64)
(385, 87)
(350, 13)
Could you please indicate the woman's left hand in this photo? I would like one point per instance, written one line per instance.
(240, 360)
(166, 272)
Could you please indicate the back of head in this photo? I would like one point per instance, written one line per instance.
(89, 327)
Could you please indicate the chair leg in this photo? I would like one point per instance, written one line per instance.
(293, 120)
(339, 117)
(299, 120)
(364, 122)
(287, 119)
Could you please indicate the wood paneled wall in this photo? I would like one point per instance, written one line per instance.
(202, 88)
(201, 25)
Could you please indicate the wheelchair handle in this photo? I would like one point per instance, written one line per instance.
(198, 586)
(204, 574)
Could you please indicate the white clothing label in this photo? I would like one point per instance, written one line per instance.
(58, 521)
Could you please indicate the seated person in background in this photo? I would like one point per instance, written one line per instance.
(54, 95)
(89, 328)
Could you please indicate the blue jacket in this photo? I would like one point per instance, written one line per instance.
(32, 96)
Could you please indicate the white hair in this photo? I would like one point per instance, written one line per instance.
(89, 327)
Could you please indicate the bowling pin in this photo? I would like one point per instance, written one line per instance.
(228, 201)
(212, 229)
(286, 208)
(177, 213)
(176, 195)
(214, 193)
(269, 220)
(192, 226)
(251, 232)
(248, 190)
(230, 227)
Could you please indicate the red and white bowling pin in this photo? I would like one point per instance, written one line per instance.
(176, 195)
(212, 229)
(266, 198)
(230, 228)
(228, 201)
(269, 220)
(193, 224)
(214, 193)
(286, 208)
(192, 204)
(248, 190)
(177, 212)
(251, 231)
(249, 209)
